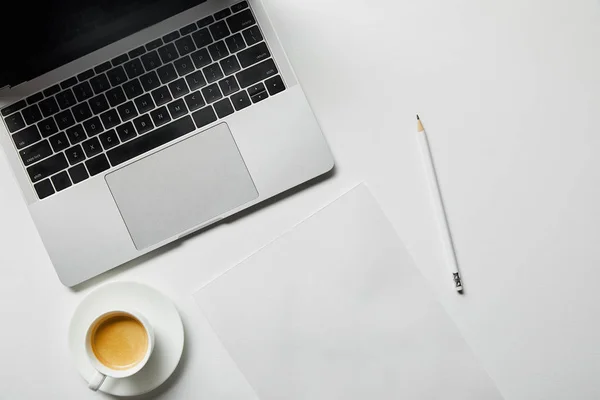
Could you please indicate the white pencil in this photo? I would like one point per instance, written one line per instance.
(438, 201)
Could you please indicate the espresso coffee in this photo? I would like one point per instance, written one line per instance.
(119, 341)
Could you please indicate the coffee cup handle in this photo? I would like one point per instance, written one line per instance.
(97, 381)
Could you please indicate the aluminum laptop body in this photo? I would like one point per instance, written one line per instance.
(158, 134)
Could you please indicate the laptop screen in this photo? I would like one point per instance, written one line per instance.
(38, 37)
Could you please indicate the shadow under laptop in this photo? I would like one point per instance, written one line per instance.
(97, 280)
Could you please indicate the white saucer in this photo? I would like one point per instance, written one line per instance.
(162, 315)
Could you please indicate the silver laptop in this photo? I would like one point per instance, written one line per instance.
(131, 124)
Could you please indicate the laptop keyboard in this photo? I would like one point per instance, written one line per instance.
(143, 99)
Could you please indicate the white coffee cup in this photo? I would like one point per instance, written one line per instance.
(103, 370)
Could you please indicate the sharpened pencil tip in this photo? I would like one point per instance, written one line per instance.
(420, 125)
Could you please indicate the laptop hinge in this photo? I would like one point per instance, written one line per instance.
(3, 88)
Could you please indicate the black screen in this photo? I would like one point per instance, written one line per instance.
(37, 37)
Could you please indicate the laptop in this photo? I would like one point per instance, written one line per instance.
(129, 125)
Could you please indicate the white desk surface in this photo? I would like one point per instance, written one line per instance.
(510, 95)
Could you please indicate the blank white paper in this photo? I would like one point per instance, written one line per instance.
(335, 309)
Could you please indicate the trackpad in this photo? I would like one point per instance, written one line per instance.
(182, 186)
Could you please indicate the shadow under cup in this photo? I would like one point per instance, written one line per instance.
(119, 343)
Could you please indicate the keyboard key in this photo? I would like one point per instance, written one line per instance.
(52, 90)
(68, 83)
(211, 93)
(219, 30)
(116, 96)
(47, 167)
(194, 101)
(188, 29)
(47, 127)
(170, 37)
(134, 68)
(100, 83)
(99, 104)
(103, 67)
(49, 106)
(252, 35)
(151, 140)
(26, 137)
(44, 189)
(177, 109)
(150, 81)
(66, 99)
(241, 21)
(34, 98)
(167, 73)
(235, 43)
(161, 96)
(83, 91)
(133, 89)
(14, 122)
(127, 111)
(229, 85)
(256, 73)
(257, 88)
(151, 61)
(82, 112)
(202, 38)
(75, 154)
(179, 88)
(212, 73)
(196, 80)
(160, 116)
(143, 124)
(222, 14)
(223, 108)
(204, 117)
(144, 103)
(35, 152)
(117, 76)
(59, 142)
(91, 147)
(260, 96)
(126, 132)
(201, 58)
(136, 52)
(254, 54)
(32, 114)
(218, 50)
(76, 134)
(93, 126)
(65, 119)
(230, 65)
(205, 21)
(184, 66)
(78, 173)
(154, 44)
(168, 53)
(13, 108)
(275, 85)
(109, 139)
(110, 119)
(61, 181)
(85, 75)
(239, 6)
(119, 60)
(241, 100)
(185, 45)
(97, 164)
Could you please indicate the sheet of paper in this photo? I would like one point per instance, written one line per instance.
(335, 309)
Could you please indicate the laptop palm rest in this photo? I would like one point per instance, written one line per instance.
(182, 187)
